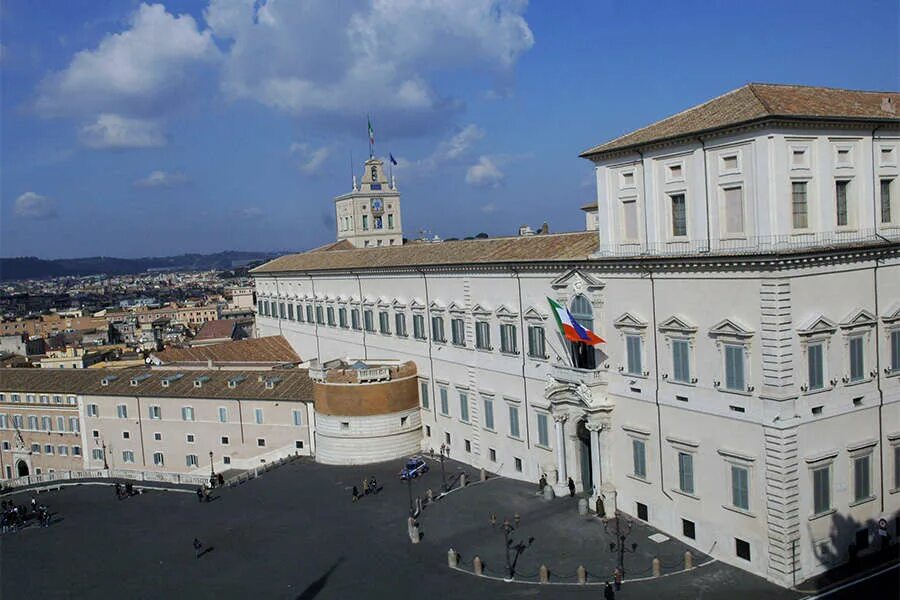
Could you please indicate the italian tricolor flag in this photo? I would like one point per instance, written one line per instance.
(570, 328)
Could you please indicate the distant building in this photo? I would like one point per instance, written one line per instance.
(221, 330)
(591, 216)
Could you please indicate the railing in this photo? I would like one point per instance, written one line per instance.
(376, 374)
(149, 476)
(573, 375)
(764, 244)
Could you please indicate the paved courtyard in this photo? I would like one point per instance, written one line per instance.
(294, 533)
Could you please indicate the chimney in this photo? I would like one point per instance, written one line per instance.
(887, 105)
(545, 229)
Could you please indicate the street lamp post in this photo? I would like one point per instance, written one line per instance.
(445, 451)
(511, 548)
(620, 532)
(105, 463)
(212, 472)
(409, 487)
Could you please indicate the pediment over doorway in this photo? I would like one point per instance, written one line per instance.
(578, 281)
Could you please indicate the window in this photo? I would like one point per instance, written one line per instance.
(628, 179)
(60, 423)
(629, 218)
(423, 386)
(158, 459)
(482, 335)
(734, 210)
(857, 366)
(886, 200)
(730, 163)
(798, 157)
(45, 399)
(642, 512)
(187, 413)
(400, 324)
(74, 424)
(32, 423)
(191, 460)
(821, 489)
(458, 331)
(688, 529)
(543, 430)
(633, 347)
(862, 487)
(508, 342)
(488, 414)
(310, 318)
(223, 414)
(517, 462)
(514, 421)
(128, 456)
(369, 320)
(76, 450)
(536, 342)
(126, 435)
(686, 472)
(734, 367)
(419, 327)
(799, 205)
(17, 421)
(157, 436)
(189, 438)
(365, 221)
(97, 454)
(154, 412)
(281, 311)
(895, 351)
(298, 444)
(46, 424)
(122, 411)
(224, 440)
(329, 315)
(464, 407)
(290, 311)
(258, 415)
(445, 405)
(679, 215)
(639, 458)
(35, 448)
(384, 323)
(840, 199)
(261, 442)
(681, 366)
(92, 410)
(320, 315)
(742, 548)
(437, 329)
(4, 422)
(897, 467)
(342, 317)
(354, 319)
(740, 490)
(816, 366)
(390, 221)
(56, 399)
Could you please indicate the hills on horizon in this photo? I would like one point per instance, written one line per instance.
(31, 267)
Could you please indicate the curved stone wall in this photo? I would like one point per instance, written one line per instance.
(355, 440)
(366, 399)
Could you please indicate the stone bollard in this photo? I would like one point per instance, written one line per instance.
(656, 567)
(418, 504)
(462, 480)
(452, 558)
(430, 495)
(483, 475)
(477, 566)
(544, 573)
(582, 507)
(688, 561)
(413, 529)
(548, 493)
(582, 574)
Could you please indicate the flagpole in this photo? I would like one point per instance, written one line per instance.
(564, 354)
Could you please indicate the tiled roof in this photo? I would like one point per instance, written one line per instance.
(272, 349)
(340, 245)
(214, 330)
(590, 206)
(757, 101)
(545, 247)
(292, 384)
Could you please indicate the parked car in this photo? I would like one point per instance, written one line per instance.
(414, 467)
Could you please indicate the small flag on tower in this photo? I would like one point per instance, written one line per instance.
(393, 160)
(571, 329)
(371, 132)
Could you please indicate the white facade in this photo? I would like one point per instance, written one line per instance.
(356, 440)
(369, 216)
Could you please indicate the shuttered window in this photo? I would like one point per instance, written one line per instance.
(639, 458)
(816, 366)
(734, 367)
(686, 472)
(734, 210)
(633, 347)
(862, 486)
(857, 366)
(508, 342)
(681, 368)
(740, 490)
(536, 342)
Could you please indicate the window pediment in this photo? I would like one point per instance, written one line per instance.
(819, 325)
(369, 301)
(858, 319)
(677, 325)
(481, 310)
(893, 315)
(398, 304)
(532, 314)
(383, 302)
(578, 281)
(729, 328)
(436, 306)
(416, 304)
(456, 308)
(629, 321)
(505, 313)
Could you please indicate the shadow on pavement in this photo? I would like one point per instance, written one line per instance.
(318, 585)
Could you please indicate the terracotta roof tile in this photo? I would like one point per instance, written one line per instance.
(547, 247)
(272, 349)
(219, 328)
(756, 101)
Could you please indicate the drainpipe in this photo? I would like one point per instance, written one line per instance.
(662, 480)
(878, 386)
(362, 315)
(434, 398)
(706, 197)
(141, 431)
(524, 380)
(278, 308)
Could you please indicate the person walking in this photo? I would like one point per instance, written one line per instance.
(200, 494)
(608, 592)
(571, 488)
(221, 479)
(542, 483)
(355, 494)
(206, 494)
(198, 547)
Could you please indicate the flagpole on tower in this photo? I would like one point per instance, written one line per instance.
(371, 137)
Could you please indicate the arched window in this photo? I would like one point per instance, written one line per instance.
(583, 355)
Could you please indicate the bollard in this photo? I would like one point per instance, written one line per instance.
(452, 558)
(688, 561)
(462, 480)
(418, 504)
(656, 567)
(477, 566)
(582, 507)
(582, 574)
(548, 493)
(413, 529)
(429, 495)
(483, 475)
(544, 574)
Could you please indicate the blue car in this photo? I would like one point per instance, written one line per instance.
(414, 467)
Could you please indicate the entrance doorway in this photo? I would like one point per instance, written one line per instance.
(22, 468)
(587, 465)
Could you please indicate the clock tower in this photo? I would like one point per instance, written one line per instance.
(369, 216)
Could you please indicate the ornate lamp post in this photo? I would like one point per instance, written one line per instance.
(445, 451)
(212, 472)
(511, 548)
(620, 531)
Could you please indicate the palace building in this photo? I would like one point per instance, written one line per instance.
(744, 270)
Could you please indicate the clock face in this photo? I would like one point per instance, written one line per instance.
(376, 204)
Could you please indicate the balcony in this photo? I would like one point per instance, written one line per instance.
(589, 377)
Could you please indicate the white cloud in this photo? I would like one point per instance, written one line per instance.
(379, 56)
(311, 159)
(34, 206)
(485, 173)
(452, 150)
(162, 179)
(116, 131)
(140, 73)
(489, 208)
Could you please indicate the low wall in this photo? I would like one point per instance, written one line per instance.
(355, 440)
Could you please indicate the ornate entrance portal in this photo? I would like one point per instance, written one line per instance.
(584, 437)
(22, 468)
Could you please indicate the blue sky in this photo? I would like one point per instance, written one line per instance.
(134, 129)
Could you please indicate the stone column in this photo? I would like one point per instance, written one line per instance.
(562, 477)
(594, 429)
(604, 443)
